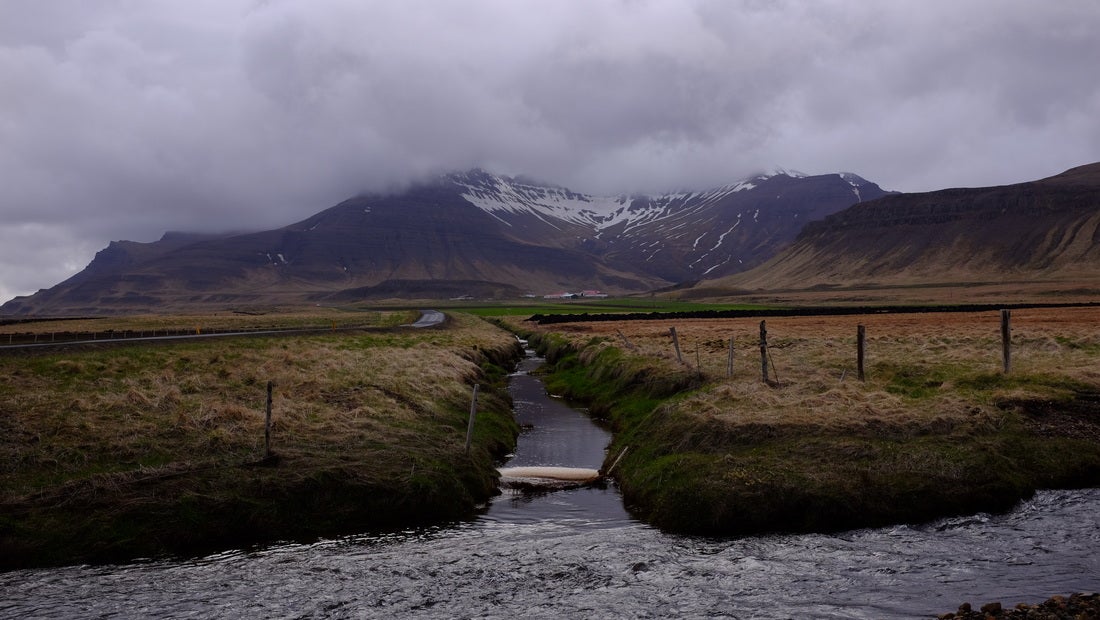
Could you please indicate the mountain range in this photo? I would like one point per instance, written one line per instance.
(488, 236)
(1044, 232)
(463, 234)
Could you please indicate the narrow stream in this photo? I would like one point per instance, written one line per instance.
(579, 554)
(555, 434)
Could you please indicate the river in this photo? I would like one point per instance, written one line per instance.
(579, 554)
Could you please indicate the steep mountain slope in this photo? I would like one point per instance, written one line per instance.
(1042, 229)
(676, 237)
(471, 233)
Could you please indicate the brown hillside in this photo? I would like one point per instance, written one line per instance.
(1041, 232)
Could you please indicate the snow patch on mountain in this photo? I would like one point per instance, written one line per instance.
(682, 230)
(777, 171)
(856, 182)
(495, 194)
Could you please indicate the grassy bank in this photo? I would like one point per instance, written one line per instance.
(142, 450)
(937, 429)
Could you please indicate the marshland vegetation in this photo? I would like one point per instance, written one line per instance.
(137, 450)
(937, 428)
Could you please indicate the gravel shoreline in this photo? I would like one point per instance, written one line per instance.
(1079, 606)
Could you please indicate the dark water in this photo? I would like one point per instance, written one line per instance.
(578, 554)
(555, 434)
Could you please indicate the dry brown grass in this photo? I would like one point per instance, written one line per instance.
(914, 362)
(191, 322)
(72, 415)
(957, 288)
(937, 429)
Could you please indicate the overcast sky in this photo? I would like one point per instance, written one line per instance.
(121, 119)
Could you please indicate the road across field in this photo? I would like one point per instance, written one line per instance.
(428, 318)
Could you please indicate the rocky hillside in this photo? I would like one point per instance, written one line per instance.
(1038, 230)
(676, 237)
(471, 233)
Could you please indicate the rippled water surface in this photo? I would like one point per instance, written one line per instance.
(579, 554)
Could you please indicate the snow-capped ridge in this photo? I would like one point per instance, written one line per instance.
(694, 231)
(853, 179)
(778, 171)
(856, 182)
(496, 193)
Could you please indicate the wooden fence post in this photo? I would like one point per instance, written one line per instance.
(267, 421)
(861, 337)
(1006, 339)
(764, 351)
(676, 344)
(729, 360)
(473, 414)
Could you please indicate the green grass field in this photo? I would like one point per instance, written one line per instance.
(590, 306)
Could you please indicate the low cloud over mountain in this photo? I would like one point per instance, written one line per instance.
(471, 233)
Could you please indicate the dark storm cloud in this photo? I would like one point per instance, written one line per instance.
(126, 118)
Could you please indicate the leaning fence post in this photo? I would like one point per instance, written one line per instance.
(676, 344)
(764, 351)
(861, 337)
(473, 414)
(1006, 339)
(729, 360)
(267, 421)
(620, 457)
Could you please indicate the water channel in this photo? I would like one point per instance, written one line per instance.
(579, 554)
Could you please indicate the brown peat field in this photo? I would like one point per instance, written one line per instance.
(114, 451)
(936, 428)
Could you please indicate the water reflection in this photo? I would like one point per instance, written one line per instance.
(555, 434)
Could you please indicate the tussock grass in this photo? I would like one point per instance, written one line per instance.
(937, 428)
(921, 369)
(368, 428)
